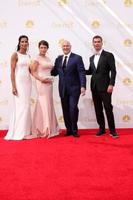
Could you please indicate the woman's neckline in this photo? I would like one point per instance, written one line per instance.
(22, 53)
(42, 56)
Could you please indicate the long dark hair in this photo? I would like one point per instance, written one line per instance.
(19, 40)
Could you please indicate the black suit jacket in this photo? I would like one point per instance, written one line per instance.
(74, 77)
(105, 73)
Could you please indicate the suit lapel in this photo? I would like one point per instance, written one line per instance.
(100, 59)
(60, 63)
(69, 61)
(93, 65)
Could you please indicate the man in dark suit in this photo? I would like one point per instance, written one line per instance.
(72, 84)
(103, 71)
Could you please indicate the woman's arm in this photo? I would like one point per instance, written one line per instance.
(34, 67)
(14, 59)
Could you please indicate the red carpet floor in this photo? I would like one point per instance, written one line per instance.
(68, 168)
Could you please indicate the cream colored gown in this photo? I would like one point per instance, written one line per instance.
(20, 122)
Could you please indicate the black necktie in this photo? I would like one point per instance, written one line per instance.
(64, 64)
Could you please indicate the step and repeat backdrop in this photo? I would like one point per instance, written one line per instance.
(77, 21)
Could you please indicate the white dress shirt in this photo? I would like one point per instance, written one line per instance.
(96, 57)
(68, 55)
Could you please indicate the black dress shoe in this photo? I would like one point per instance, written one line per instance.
(100, 132)
(114, 134)
(67, 134)
(76, 135)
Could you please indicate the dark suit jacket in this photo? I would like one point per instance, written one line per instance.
(105, 73)
(74, 77)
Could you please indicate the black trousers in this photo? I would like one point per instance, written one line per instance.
(70, 112)
(103, 100)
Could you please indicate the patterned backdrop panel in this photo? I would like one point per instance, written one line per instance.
(77, 21)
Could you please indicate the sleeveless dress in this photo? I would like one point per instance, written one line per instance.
(20, 123)
(44, 120)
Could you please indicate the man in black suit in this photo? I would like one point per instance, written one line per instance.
(72, 84)
(103, 70)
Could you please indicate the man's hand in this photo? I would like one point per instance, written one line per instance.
(82, 91)
(110, 89)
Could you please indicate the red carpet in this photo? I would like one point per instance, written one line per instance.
(68, 168)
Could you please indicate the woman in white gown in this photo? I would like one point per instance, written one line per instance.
(20, 123)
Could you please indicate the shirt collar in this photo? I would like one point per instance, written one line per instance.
(68, 55)
(98, 52)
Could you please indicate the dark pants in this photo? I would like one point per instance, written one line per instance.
(70, 112)
(103, 100)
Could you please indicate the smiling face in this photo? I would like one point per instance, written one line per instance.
(24, 43)
(66, 47)
(43, 49)
(97, 43)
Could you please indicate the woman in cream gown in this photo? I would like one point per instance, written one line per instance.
(20, 122)
(44, 120)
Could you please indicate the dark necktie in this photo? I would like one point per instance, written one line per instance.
(64, 64)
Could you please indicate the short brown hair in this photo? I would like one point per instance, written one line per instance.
(97, 36)
(43, 42)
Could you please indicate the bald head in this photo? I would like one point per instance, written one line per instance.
(66, 47)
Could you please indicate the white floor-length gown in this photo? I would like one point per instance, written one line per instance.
(20, 123)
